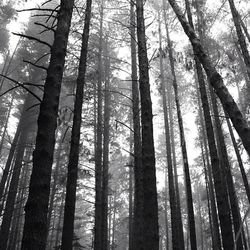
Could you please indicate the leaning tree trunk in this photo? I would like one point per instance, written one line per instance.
(36, 208)
(215, 80)
(70, 200)
(191, 221)
(150, 205)
(137, 239)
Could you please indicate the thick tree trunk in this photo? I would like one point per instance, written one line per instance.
(98, 144)
(215, 80)
(150, 205)
(138, 186)
(191, 221)
(69, 209)
(36, 208)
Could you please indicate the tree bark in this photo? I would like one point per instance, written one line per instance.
(150, 205)
(215, 80)
(36, 209)
(98, 143)
(69, 209)
(138, 185)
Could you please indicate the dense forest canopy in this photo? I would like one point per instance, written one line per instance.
(124, 124)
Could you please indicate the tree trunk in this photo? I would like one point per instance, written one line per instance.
(177, 231)
(10, 202)
(242, 170)
(138, 185)
(241, 38)
(226, 170)
(69, 209)
(191, 221)
(98, 144)
(215, 80)
(36, 208)
(150, 205)
(106, 132)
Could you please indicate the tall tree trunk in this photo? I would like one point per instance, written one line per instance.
(69, 209)
(6, 125)
(10, 202)
(131, 205)
(177, 238)
(241, 38)
(106, 132)
(98, 143)
(226, 170)
(138, 185)
(242, 170)
(150, 205)
(220, 187)
(36, 208)
(191, 221)
(200, 222)
(215, 80)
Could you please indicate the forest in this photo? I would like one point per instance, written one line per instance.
(124, 124)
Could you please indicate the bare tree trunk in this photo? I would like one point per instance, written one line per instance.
(215, 80)
(36, 208)
(191, 221)
(177, 237)
(150, 205)
(138, 184)
(98, 142)
(106, 135)
(69, 209)
(241, 38)
(200, 221)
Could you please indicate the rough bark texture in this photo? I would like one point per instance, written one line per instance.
(138, 190)
(150, 205)
(215, 80)
(36, 209)
(70, 200)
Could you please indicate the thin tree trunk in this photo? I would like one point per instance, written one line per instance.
(106, 135)
(241, 38)
(69, 209)
(216, 81)
(138, 184)
(98, 143)
(113, 224)
(10, 202)
(36, 208)
(242, 170)
(150, 205)
(200, 221)
(225, 165)
(191, 221)
(177, 240)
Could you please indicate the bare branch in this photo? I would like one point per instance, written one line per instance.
(38, 9)
(35, 65)
(32, 38)
(44, 26)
